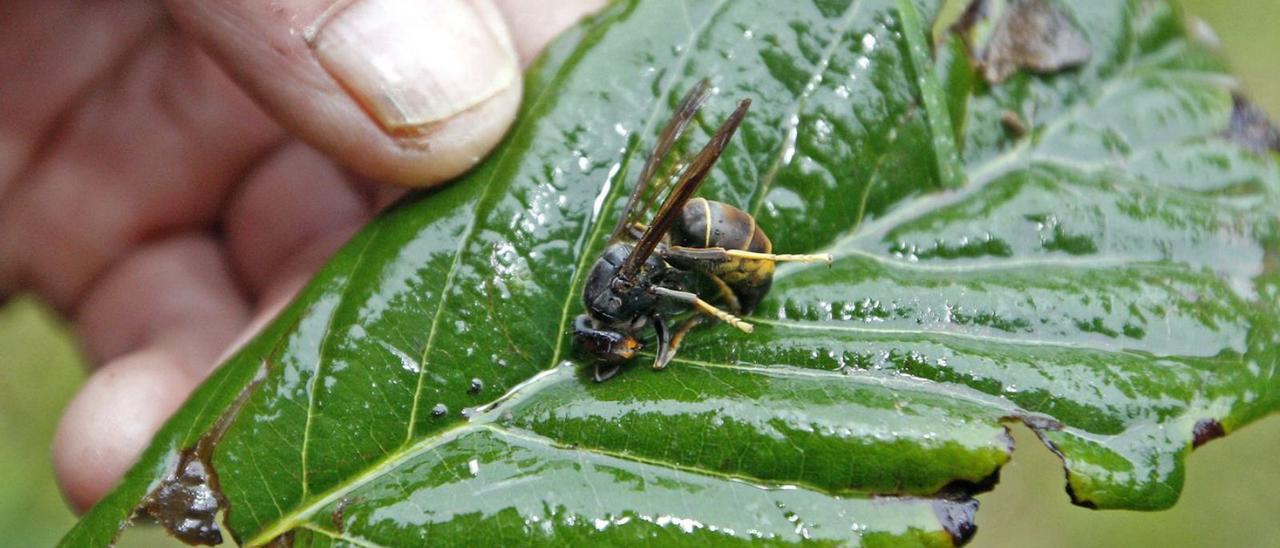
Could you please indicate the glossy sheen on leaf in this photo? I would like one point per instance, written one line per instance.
(1108, 273)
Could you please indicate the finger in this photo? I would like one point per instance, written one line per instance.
(274, 298)
(154, 149)
(51, 52)
(405, 91)
(384, 196)
(177, 293)
(289, 201)
(534, 24)
(112, 419)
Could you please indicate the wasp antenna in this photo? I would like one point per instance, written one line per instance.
(783, 258)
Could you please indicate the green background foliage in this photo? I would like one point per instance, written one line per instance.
(1231, 490)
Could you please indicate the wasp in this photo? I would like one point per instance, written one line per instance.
(643, 276)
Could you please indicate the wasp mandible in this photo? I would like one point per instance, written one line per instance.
(636, 285)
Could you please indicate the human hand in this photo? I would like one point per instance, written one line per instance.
(144, 195)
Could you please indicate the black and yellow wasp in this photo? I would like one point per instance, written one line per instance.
(645, 271)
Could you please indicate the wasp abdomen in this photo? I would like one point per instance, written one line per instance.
(708, 223)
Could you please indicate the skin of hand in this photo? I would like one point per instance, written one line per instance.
(172, 171)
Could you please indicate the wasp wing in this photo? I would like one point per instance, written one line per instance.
(670, 133)
(692, 177)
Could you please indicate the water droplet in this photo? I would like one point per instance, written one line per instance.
(822, 128)
(476, 386)
(474, 466)
(439, 410)
(868, 42)
(789, 141)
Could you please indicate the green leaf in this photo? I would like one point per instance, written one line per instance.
(1107, 274)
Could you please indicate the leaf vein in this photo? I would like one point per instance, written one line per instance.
(312, 383)
(917, 333)
(339, 536)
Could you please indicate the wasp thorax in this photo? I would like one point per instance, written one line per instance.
(614, 300)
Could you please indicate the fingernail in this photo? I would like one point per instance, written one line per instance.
(412, 63)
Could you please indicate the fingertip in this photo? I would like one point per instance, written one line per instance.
(111, 420)
(291, 199)
(400, 91)
(449, 148)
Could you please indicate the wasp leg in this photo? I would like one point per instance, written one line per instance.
(704, 306)
(606, 372)
(676, 339)
(664, 336)
(722, 254)
(726, 293)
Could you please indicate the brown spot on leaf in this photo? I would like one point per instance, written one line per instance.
(283, 541)
(1028, 34)
(1251, 129)
(339, 515)
(976, 12)
(1013, 123)
(1037, 423)
(187, 502)
(1076, 499)
(1206, 430)
(957, 519)
(963, 489)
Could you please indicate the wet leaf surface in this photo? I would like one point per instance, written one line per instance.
(1108, 275)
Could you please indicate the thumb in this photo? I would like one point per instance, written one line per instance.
(406, 91)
